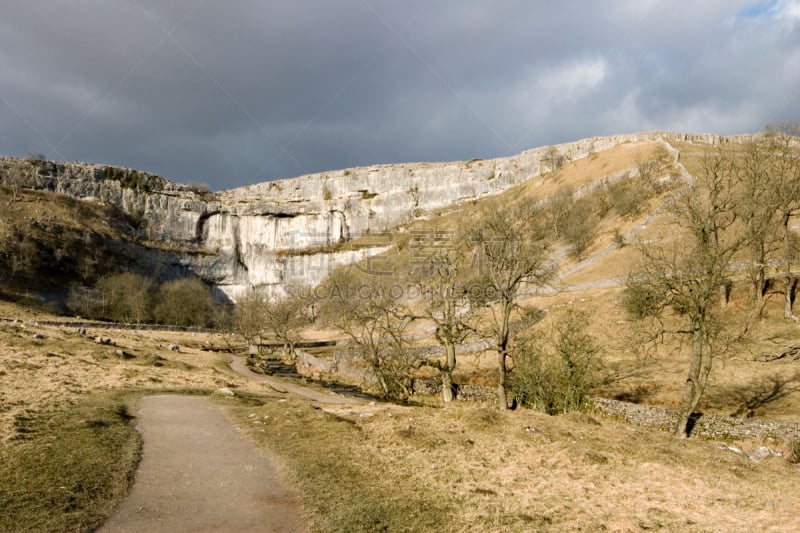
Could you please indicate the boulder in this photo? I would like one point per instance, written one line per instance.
(122, 354)
(759, 454)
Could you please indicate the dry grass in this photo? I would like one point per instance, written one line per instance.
(467, 468)
(577, 174)
(427, 468)
(68, 465)
(67, 444)
(63, 366)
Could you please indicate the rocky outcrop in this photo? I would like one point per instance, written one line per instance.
(289, 230)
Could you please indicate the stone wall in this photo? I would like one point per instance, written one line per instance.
(710, 426)
(715, 427)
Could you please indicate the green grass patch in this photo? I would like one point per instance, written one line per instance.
(66, 469)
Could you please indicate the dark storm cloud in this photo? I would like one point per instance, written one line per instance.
(245, 91)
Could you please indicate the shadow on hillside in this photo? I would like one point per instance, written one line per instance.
(636, 394)
(748, 398)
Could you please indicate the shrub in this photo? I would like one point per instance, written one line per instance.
(794, 450)
(629, 195)
(184, 302)
(580, 229)
(555, 372)
(125, 297)
(36, 158)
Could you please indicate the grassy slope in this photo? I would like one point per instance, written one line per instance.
(62, 239)
(473, 468)
(67, 467)
(738, 381)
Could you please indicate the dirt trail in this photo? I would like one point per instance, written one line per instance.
(199, 474)
(238, 365)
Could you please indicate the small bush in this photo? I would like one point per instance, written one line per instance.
(580, 229)
(794, 450)
(641, 300)
(555, 372)
(184, 302)
(36, 158)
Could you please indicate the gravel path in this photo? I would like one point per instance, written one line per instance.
(239, 366)
(198, 474)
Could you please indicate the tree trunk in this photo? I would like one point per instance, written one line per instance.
(791, 287)
(501, 379)
(787, 267)
(694, 384)
(502, 356)
(448, 390)
(724, 292)
(448, 393)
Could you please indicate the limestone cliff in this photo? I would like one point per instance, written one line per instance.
(288, 230)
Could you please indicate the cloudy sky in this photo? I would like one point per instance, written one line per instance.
(244, 91)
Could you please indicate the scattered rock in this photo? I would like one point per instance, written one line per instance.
(733, 449)
(225, 391)
(105, 341)
(122, 354)
(81, 332)
(38, 336)
(759, 454)
(174, 348)
(366, 415)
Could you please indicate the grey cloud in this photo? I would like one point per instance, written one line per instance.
(244, 91)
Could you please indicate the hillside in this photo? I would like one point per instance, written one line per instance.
(267, 235)
(419, 465)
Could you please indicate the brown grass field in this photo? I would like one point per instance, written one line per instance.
(424, 467)
(68, 445)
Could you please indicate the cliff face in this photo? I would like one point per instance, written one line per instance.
(284, 231)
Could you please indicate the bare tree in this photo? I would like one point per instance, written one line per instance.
(512, 248)
(184, 302)
(444, 287)
(368, 309)
(285, 317)
(783, 145)
(553, 160)
(127, 297)
(685, 275)
(259, 317)
(757, 210)
(248, 318)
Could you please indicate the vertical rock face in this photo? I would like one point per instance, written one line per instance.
(285, 231)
